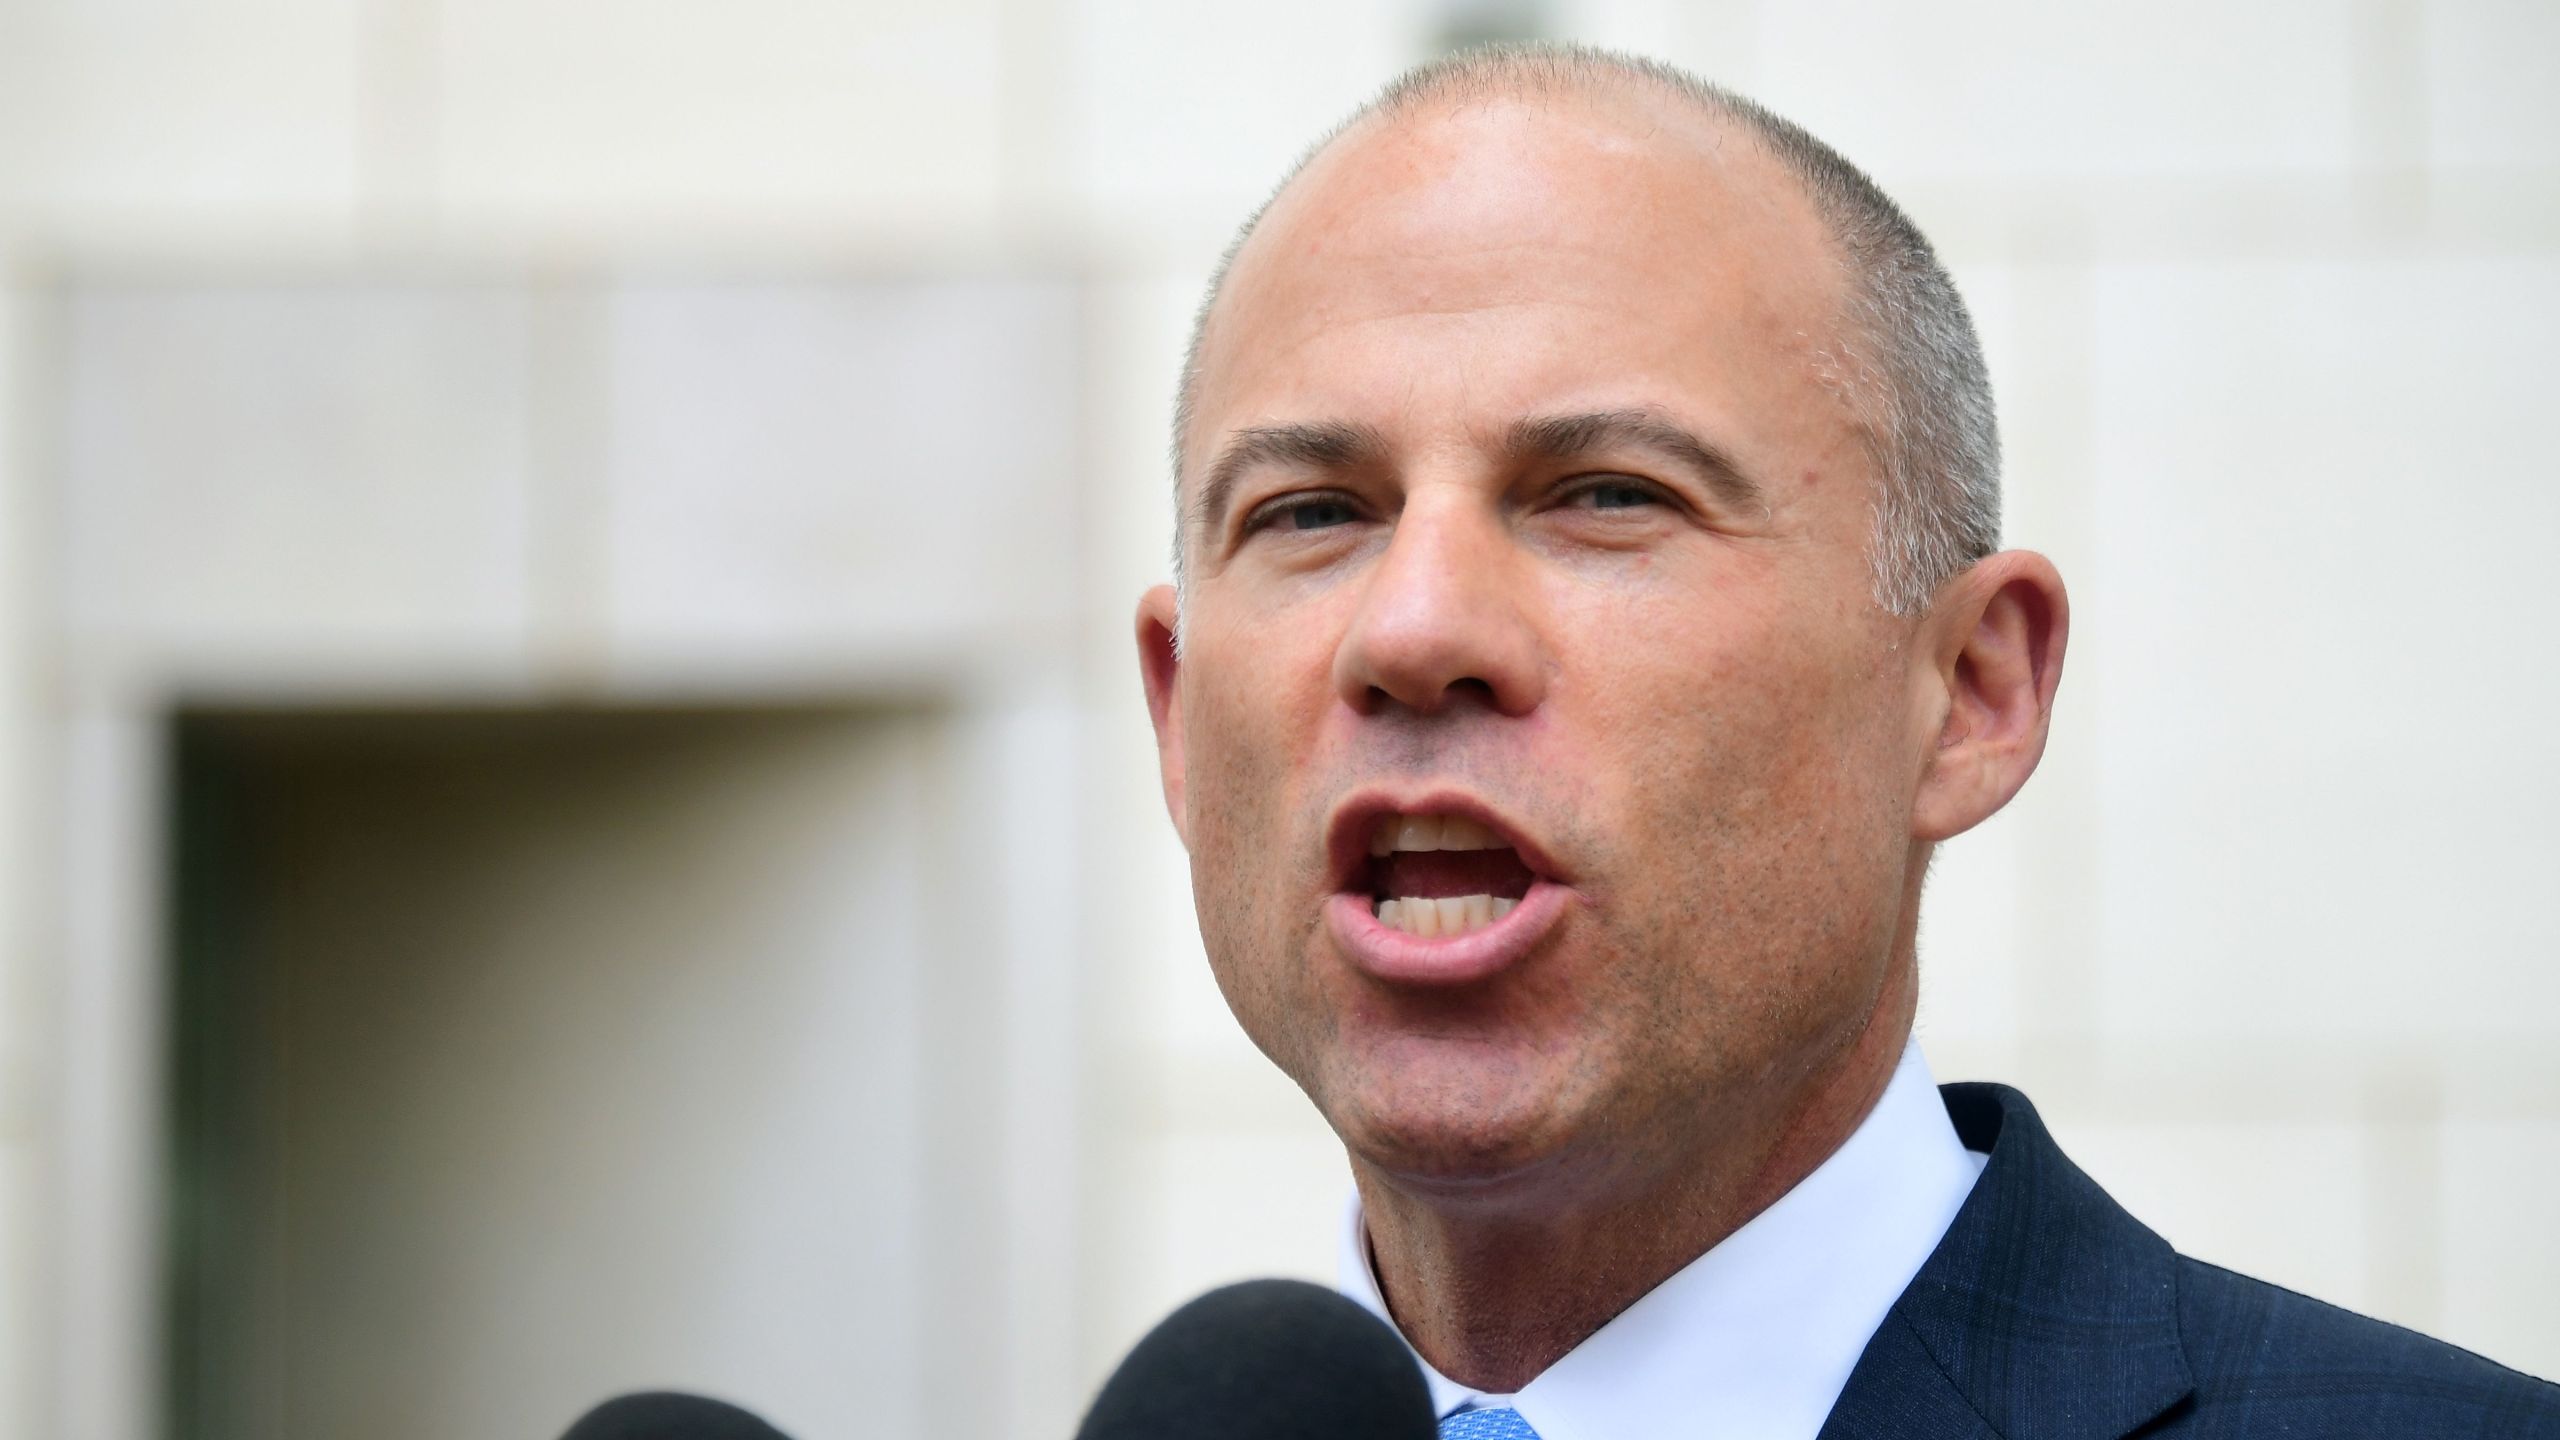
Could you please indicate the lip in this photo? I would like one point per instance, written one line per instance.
(1401, 958)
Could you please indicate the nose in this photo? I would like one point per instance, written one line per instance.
(1443, 616)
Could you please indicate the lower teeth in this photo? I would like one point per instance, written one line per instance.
(1445, 915)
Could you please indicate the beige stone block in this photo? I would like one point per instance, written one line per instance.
(2321, 594)
(1189, 1010)
(1203, 107)
(1154, 992)
(117, 120)
(2021, 89)
(800, 476)
(20, 621)
(1970, 951)
(569, 116)
(1135, 336)
(1139, 328)
(2022, 317)
(2492, 83)
(2501, 1251)
(2001, 954)
(2282, 1200)
(1650, 27)
(1227, 1206)
(23, 1351)
(304, 475)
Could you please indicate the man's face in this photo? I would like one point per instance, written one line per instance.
(1533, 508)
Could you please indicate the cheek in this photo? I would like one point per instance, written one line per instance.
(1256, 694)
(1760, 846)
(1244, 741)
(1254, 826)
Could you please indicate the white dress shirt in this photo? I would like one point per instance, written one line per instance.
(1755, 1338)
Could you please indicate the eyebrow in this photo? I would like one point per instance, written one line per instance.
(1322, 445)
(1567, 437)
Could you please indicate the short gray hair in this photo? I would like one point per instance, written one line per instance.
(1912, 361)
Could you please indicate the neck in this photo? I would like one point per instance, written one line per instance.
(1491, 1295)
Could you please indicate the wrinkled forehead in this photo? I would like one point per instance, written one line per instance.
(1632, 210)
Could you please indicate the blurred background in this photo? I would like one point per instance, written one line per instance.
(574, 806)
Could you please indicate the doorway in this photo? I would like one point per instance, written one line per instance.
(523, 1057)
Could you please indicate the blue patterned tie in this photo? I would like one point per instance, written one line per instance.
(1486, 1425)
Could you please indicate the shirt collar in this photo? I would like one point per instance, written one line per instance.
(1756, 1336)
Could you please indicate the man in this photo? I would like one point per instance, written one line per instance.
(1589, 619)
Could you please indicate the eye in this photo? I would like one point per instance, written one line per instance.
(1613, 492)
(1302, 512)
(1318, 514)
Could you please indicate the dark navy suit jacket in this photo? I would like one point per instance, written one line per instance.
(2048, 1313)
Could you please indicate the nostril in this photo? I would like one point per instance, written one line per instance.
(1481, 692)
(1465, 692)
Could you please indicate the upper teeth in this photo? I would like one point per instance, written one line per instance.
(1431, 832)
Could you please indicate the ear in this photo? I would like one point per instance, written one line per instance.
(1160, 665)
(1997, 633)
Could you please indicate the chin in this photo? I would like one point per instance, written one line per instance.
(1449, 1130)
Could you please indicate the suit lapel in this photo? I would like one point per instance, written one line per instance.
(2047, 1312)
(1897, 1392)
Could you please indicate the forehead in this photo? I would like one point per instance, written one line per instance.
(1449, 265)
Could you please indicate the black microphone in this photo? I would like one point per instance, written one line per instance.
(1266, 1360)
(669, 1415)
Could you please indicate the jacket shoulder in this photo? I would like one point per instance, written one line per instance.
(2055, 1315)
(2266, 1360)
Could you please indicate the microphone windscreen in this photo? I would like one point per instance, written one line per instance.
(670, 1415)
(1264, 1360)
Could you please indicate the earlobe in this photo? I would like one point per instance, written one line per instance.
(1160, 667)
(2000, 662)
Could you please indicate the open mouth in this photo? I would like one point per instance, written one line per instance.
(1440, 875)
